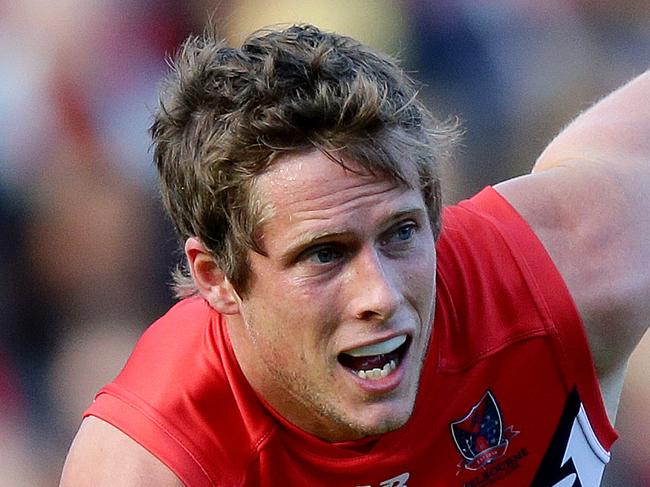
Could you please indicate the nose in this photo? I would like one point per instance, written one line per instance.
(374, 289)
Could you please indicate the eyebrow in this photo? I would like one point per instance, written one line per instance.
(309, 239)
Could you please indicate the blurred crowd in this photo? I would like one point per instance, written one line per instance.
(85, 249)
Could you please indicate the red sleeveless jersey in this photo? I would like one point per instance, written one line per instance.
(508, 394)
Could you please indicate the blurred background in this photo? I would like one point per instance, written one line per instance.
(85, 250)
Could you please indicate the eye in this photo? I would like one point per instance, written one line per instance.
(403, 233)
(323, 255)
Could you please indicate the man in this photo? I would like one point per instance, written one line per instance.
(331, 332)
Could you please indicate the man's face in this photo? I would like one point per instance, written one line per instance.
(336, 321)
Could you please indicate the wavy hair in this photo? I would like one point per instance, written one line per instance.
(225, 114)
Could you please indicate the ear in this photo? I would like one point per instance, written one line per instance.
(210, 280)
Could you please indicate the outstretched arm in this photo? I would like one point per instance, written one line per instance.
(588, 200)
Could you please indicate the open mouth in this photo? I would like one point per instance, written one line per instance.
(378, 360)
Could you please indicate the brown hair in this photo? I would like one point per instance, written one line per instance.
(226, 114)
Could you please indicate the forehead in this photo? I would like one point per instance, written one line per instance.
(312, 177)
(308, 196)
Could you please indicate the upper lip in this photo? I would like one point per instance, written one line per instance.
(375, 341)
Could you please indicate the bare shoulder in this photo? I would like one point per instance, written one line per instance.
(101, 455)
(587, 200)
(594, 225)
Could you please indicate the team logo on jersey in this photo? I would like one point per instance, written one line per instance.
(480, 436)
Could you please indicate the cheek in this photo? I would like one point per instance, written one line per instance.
(422, 272)
(420, 284)
(293, 316)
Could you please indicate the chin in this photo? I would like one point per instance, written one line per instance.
(352, 425)
(387, 426)
(386, 422)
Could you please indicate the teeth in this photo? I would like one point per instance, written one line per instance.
(387, 346)
(376, 373)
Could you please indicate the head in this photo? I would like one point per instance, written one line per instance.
(227, 113)
(301, 173)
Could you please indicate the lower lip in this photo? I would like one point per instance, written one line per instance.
(383, 385)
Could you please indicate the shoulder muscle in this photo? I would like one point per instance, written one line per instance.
(101, 455)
